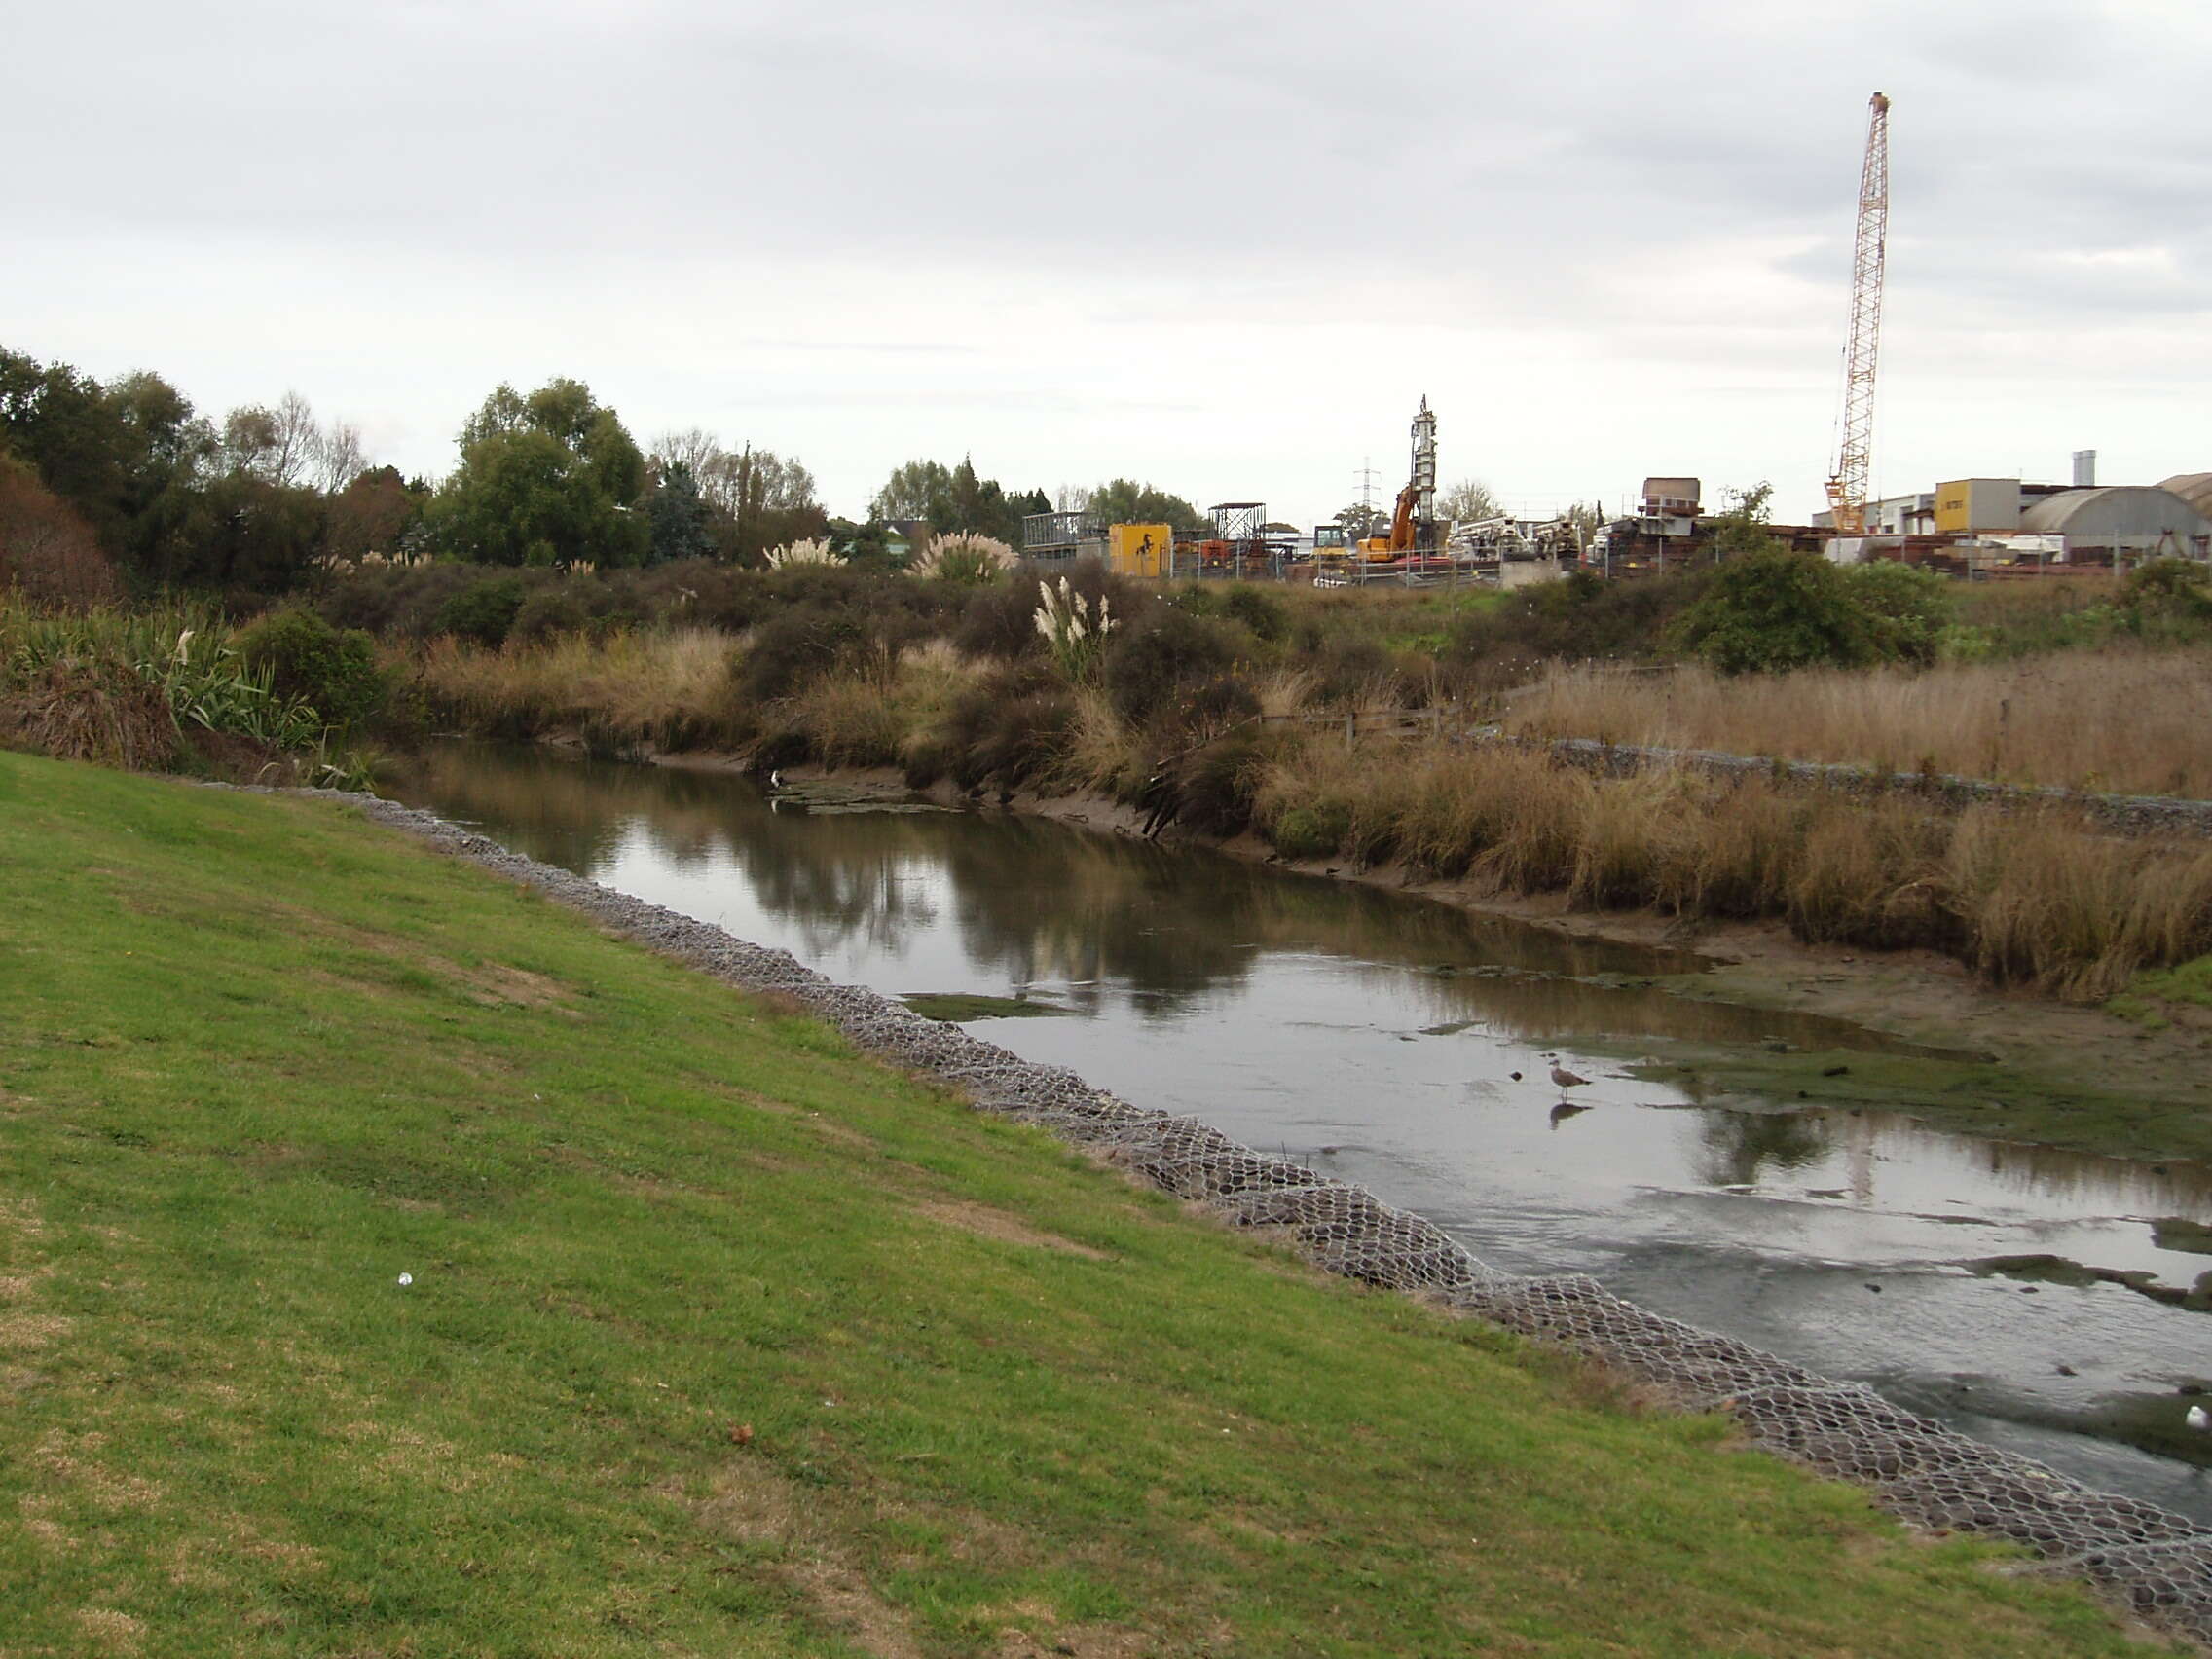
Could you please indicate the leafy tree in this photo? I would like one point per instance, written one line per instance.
(1123, 500)
(547, 479)
(918, 490)
(677, 518)
(756, 499)
(1774, 610)
(128, 456)
(1362, 519)
(48, 552)
(373, 516)
(1743, 528)
(1469, 502)
(251, 536)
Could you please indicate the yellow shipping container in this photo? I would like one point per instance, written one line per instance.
(1139, 549)
(1977, 503)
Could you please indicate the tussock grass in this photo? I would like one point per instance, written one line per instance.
(722, 1341)
(2031, 898)
(670, 688)
(2119, 720)
(2034, 899)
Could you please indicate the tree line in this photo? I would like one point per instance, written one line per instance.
(123, 485)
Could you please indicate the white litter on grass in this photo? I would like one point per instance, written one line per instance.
(406, 1278)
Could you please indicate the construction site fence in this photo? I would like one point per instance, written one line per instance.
(1331, 569)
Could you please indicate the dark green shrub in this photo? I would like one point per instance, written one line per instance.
(1002, 729)
(483, 611)
(333, 670)
(1581, 617)
(2168, 587)
(1218, 783)
(1775, 610)
(1215, 705)
(548, 613)
(795, 647)
(1908, 609)
(1310, 831)
(1000, 620)
(1259, 611)
(1152, 659)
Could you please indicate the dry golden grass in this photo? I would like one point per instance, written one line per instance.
(670, 687)
(2122, 720)
(2036, 898)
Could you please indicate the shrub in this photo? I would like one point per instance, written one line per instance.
(1310, 831)
(306, 659)
(1005, 727)
(2169, 587)
(1581, 617)
(1219, 785)
(1776, 611)
(1149, 660)
(1909, 610)
(484, 611)
(1259, 611)
(548, 613)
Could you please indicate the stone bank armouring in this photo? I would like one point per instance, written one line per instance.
(2156, 1563)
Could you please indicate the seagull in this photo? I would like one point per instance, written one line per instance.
(2198, 1419)
(1566, 1078)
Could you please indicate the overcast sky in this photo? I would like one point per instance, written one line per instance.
(1225, 248)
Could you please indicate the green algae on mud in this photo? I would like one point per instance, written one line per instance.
(715, 1338)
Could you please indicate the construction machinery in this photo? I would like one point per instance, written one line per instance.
(1412, 524)
(1854, 447)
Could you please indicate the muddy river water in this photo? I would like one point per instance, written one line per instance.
(1378, 1036)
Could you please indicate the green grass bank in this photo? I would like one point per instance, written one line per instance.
(721, 1340)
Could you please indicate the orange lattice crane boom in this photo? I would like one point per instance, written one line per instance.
(1854, 449)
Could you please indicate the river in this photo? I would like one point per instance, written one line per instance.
(1378, 1036)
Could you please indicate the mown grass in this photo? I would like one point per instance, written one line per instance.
(722, 1341)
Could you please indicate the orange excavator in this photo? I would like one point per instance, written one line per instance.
(1400, 541)
(1412, 526)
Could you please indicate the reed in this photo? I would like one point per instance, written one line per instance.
(2127, 720)
(2038, 900)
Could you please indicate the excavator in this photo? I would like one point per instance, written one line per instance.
(1400, 541)
(1413, 529)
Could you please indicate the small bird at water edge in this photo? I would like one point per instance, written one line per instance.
(2198, 1420)
(1566, 1078)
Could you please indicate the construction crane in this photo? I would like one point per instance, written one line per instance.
(1847, 484)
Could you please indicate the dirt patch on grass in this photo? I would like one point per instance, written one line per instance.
(749, 1501)
(495, 984)
(113, 1631)
(988, 1223)
(849, 1604)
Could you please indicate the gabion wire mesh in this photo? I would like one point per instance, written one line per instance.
(2157, 1564)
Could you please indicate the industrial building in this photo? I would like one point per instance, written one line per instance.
(2002, 524)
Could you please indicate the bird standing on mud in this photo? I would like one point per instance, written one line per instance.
(1565, 1079)
(2198, 1419)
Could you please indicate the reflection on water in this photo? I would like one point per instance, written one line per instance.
(1411, 1039)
